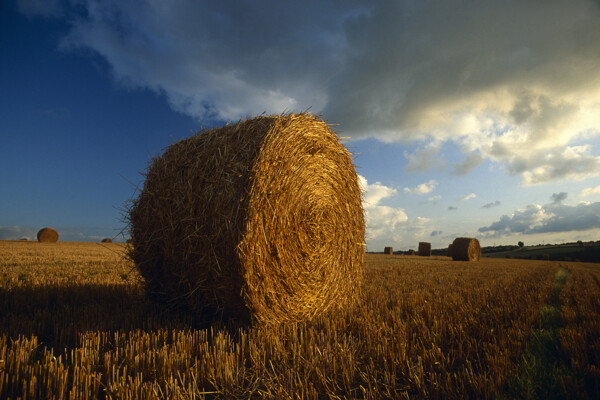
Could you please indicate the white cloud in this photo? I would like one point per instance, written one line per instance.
(375, 192)
(382, 221)
(574, 163)
(423, 188)
(474, 72)
(590, 191)
(468, 197)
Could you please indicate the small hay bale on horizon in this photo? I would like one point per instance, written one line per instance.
(260, 220)
(388, 250)
(425, 249)
(106, 240)
(47, 235)
(411, 252)
(466, 249)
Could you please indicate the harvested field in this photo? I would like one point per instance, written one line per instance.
(76, 323)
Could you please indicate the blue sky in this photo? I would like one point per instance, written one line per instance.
(467, 118)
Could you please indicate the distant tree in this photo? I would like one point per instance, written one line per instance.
(521, 244)
(579, 243)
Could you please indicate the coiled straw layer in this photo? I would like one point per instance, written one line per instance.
(466, 249)
(260, 220)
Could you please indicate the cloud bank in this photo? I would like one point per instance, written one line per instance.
(515, 82)
(550, 218)
(382, 221)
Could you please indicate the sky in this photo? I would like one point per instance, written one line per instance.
(477, 118)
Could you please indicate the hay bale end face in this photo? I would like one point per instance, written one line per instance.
(388, 250)
(260, 220)
(48, 235)
(424, 249)
(466, 249)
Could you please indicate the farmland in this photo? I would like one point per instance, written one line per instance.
(74, 323)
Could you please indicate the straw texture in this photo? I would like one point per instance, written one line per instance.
(425, 249)
(261, 220)
(47, 234)
(466, 249)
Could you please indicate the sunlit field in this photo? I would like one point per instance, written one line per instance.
(75, 323)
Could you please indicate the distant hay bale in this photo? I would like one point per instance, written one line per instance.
(106, 240)
(260, 220)
(47, 234)
(24, 238)
(450, 250)
(466, 249)
(388, 250)
(424, 249)
(411, 252)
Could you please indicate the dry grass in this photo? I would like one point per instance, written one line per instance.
(260, 220)
(580, 335)
(75, 323)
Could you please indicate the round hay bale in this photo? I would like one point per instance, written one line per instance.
(261, 220)
(424, 249)
(106, 240)
(411, 252)
(466, 249)
(450, 250)
(388, 250)
(47, 234)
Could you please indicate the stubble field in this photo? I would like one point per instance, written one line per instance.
(74, 323)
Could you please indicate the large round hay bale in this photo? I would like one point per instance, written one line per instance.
(261, 220)
(450, 250)
(466, 249)
(47, 234)
(388, 250)
(425, 249)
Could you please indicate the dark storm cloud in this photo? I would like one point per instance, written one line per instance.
(481, 73)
